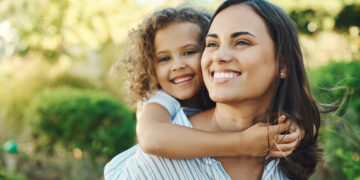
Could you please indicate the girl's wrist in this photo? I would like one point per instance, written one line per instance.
(240, 146)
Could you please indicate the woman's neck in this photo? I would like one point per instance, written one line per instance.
(237, 117)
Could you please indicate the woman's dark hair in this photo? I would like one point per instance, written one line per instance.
(292, 95)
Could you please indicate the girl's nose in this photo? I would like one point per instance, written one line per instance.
(178, 64)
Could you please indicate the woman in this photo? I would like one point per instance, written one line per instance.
(253, 69)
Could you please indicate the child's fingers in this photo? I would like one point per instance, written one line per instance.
(279, 128)
(285, 147)
(280, 153)
(281, 119)
(295, 127)
(287, 138)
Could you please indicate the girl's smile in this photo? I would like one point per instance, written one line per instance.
(182, 80)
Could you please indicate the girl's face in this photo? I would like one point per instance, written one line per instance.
(238, 62)
(178, 53)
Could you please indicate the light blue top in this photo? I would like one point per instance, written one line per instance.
(135, 164)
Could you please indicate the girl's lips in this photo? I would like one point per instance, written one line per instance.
(182, 80)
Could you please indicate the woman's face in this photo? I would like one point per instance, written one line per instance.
(238, 62)
(178, 54)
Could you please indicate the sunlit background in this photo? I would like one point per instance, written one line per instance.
(63, 108)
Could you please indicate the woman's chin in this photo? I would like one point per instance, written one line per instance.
(221, 98)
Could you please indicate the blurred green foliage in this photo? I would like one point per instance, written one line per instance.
(5, 175)
(303, 18)
(92, 121)
(339, 83)
(312, 20)
(20, 81)
(351, 164)
(71, 27)
(59, 166)
(69, 80)
(349, 16)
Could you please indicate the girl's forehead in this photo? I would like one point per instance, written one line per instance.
(177, 34)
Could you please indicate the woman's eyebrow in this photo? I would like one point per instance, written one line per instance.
(212, 35)
(233, 35)
(236, 34)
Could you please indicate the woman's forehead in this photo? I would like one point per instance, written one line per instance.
(240, 17)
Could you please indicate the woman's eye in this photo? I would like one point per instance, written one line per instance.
(210, 44)
(241, 43)
(189, 52)
(164, 59)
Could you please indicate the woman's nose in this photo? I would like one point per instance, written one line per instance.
(223, 55)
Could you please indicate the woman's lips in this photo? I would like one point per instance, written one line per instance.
(224, 76)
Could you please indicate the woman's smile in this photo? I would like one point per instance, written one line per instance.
(225, 75)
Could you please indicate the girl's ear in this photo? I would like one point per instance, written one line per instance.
(283, 69)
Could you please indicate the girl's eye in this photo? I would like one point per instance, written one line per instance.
(164, 59)
(210, 44)
(189, 52)
(242, 43)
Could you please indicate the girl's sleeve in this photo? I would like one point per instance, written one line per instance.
(164, 99)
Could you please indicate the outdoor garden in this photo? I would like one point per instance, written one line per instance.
(64, 106)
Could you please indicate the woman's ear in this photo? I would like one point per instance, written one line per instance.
(283, 69)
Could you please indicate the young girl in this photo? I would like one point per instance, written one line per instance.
(164, 64)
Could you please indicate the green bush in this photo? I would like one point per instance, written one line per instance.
(21, 80)
(5, 175)
(349, 16)
(332, 82)
(339, 136)
(93, 121)
(66, 79)
(302, 18)
(59, 166)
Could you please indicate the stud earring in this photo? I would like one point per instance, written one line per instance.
(282, 74)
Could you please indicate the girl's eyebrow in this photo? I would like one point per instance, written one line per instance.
(182, 47)
(190, 45)
(233, 35)
(160, 52)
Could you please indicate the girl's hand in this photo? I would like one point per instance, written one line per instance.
(262, 137)
(284, 145)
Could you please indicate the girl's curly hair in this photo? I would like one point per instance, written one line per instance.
(140, 58)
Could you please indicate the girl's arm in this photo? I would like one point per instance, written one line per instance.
(157, 136)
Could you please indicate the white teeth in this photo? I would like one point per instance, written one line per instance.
(179, 80)
(225, 75)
